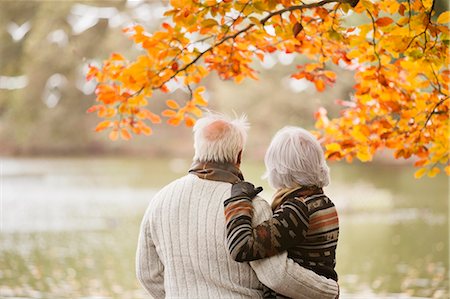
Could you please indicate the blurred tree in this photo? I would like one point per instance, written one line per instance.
(399, 54)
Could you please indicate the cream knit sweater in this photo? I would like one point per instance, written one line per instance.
(182, 250)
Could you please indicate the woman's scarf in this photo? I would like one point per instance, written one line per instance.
(215, 171)
(281, 195)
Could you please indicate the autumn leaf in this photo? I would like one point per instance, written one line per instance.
(114, 135)
(94, 108)
(168, 113)
(320, 85)
(146, 130)
(117, 57)
(92, 73)
(103, 125)
(174, 121)
(363, 156)
(384, 21)
(125, 134)
(353, 3)
(189, 121)
(420, 173)
(298, 27)
(444, 18)
(172, 104)
(333, 147)
(433, 172)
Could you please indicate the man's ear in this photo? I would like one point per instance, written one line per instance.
(239, 158)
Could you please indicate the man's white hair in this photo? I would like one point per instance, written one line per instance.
(295, 158)
(217, 138)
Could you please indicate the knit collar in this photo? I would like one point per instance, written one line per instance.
(217, 171)
(281, 195)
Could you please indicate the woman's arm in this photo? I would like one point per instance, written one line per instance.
(285, 229)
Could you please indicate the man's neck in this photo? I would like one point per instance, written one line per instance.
(217, 171)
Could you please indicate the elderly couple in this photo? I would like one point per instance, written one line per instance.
(207, 234)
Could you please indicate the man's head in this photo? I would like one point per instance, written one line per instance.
(220, 139)
(295, 158)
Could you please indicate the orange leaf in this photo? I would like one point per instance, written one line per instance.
(94, 108)
(384, 21)
(320, 85)
(168, 113)
(164, 89)
(189, 121)
(125, 134)
(103, 125)
(136, 130)
(113, 135)
(93, 71)
(420, 163)
(153, 117)
(117, 57)
(146, 130)
(172, 104)
(174, 121)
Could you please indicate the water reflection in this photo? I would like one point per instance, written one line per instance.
(70, 227)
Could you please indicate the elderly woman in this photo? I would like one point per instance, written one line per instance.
(304, 221)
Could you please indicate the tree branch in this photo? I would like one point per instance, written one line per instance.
(301, 7)
(374, 40)
(249, 26)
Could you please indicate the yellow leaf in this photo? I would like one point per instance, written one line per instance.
(444, 18)
(172, 104)
(174, 121)
(168, 113)
(419, 173)
(333, 147)
(146, 130)
(103, 125)
(433, 172)
(363, 156)
(447, 169)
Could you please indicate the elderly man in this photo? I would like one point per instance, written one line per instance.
(182, 249)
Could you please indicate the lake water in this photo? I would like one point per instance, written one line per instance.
(69, 227)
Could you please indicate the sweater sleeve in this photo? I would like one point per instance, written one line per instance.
(149, 268)
(283, 275)
(285, 229)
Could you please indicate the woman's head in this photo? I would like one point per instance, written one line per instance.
(295, 158)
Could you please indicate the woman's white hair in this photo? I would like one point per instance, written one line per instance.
(217, 138)
(295, 158)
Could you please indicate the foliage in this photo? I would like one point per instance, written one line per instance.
(399, 55)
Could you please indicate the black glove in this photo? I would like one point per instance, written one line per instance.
(245, 189)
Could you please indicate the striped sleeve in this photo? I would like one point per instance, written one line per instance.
(286, 228)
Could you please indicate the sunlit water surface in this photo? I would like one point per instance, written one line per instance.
(69, 227)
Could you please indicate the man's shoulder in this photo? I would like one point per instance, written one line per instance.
(188, 181)
(261, 210)
(172, 185)
(260, 203)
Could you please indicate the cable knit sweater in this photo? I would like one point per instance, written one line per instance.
(182, 250)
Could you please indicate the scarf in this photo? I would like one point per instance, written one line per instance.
(217, 171)
(281, 195)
